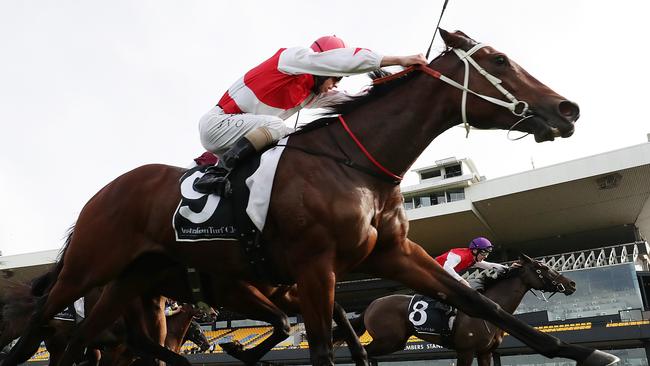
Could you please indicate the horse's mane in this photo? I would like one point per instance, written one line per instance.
(372, 93)
(486, 280)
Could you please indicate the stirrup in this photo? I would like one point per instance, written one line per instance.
(221, 186)
(215, 180)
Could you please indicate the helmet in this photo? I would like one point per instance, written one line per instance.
(327, 43)
(480, 243)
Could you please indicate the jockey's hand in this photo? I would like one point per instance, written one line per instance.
(405, 61)
(464, 282)
(413, 60)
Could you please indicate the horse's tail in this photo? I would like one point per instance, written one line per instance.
(358, 325)
(42, 284)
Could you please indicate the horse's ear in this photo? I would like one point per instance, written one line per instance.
(457, 39)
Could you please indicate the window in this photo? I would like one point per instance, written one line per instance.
(408, 203)
(453, 171)
(425, 201)
(431, 174)
(456, 195)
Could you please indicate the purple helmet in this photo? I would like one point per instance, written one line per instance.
(480, 243)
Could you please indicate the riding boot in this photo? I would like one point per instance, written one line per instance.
(215, 179)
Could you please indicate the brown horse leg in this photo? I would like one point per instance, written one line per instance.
(358, 353)
(57, 342)
(316, 283)
(464, 358)
(147, 328)
(248, 300)
(409, 264)
(114, 299)
(484, 359)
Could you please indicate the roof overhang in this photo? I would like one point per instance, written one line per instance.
(559, 201)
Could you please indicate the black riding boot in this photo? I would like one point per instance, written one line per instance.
(215, 179)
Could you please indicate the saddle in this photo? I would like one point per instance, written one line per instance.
(204, 217)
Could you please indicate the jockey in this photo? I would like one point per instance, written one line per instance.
(171, 308)
(251, 114)
(459, 259)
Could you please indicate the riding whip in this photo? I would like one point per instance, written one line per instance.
(444, 6)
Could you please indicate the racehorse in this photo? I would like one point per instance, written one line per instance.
(387, 319)
(178, 330)
(335, 206)
(19, 299)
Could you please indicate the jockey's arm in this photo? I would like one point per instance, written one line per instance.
(337, 62)
(450, 265)
(490, 265)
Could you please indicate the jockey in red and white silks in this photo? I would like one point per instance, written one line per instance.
(251, 114)
(278, 88)
(457, 260)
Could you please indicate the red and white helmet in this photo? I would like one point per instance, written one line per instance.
(327, 43)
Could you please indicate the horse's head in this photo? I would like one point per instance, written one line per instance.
(541, 277)
(206, 315)
(497, 83)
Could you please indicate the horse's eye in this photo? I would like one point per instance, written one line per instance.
(500, 60)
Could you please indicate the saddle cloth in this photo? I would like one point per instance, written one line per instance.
(430, 316)
(201, 216)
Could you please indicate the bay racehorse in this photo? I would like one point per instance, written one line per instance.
(335, 206)
(387, 319)
(118, 342)
(178, 329)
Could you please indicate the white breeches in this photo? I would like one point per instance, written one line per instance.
(218, 130)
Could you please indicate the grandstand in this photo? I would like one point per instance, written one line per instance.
(589, 218)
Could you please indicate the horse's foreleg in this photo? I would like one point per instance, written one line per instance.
(316, 281)
(248, 300)
(409, 264)
(484, 359)
(115, 298)
(146, 331)
(358, 353)
(464, 358)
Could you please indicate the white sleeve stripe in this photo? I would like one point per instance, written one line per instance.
(452, 261)
(337, 62)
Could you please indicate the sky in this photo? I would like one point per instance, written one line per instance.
(92, 89)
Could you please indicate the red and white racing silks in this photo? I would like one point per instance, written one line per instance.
(282, 85)
(459, 259)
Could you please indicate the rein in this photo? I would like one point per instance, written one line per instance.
(366, 153)
(517, 107)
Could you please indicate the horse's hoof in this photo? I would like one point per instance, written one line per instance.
(232, 348)
(599, 358)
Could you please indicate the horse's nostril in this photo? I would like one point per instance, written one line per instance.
(569, 110)
(572, 284)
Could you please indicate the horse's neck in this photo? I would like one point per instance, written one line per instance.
(508, 293)
(397, 127)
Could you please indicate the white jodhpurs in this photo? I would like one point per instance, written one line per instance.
(218, 130)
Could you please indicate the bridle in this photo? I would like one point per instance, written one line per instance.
(517, 107)
(552, 280)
